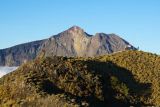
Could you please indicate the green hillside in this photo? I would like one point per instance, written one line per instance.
(130, 78)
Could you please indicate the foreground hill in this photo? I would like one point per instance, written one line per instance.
(72, 42)
(121, 79)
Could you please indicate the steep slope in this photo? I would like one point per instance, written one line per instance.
(72, 42)
(129, 78)
(19, 54)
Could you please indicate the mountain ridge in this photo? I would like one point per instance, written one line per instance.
(72, 42)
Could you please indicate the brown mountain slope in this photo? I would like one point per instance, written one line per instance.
(72, 42)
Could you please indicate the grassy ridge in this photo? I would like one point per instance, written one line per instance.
(122, 79)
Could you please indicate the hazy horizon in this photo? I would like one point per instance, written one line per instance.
(5, 70)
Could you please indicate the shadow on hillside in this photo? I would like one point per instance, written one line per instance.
(49, 88)
(108, 69)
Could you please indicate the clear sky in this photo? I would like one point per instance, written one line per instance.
(137, 21)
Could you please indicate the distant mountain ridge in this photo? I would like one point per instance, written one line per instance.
(71, 43)
(19, 54)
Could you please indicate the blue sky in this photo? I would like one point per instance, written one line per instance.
(137, 21)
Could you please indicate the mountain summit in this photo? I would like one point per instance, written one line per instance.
(76, 28)
(71, 43)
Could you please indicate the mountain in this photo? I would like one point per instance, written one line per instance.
(128, 78)
(72, 42)
(19, 54)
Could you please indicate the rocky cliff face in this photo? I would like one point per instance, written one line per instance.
(72, 42)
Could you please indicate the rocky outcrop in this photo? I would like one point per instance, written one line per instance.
(72, 42)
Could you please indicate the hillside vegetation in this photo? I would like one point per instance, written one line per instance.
(130, 78)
